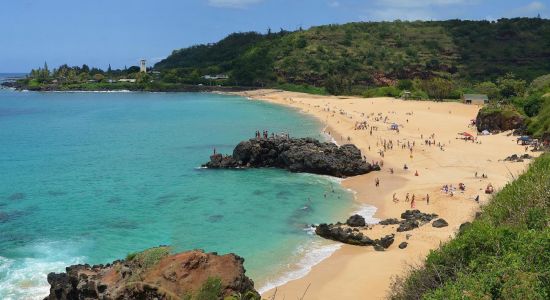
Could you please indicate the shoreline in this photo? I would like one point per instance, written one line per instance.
(353, 271)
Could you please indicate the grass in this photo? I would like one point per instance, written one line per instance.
(149, 257)
(504, 254)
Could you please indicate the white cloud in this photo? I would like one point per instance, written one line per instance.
(533, 7)
(420, 3)
(233, 3)
(411, 9)
(334, 4)
(404, 14)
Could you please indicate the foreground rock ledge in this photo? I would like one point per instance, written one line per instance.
(296, 155)
(154, 274)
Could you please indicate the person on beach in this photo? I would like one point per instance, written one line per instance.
(413, 204)
(428, 199)
(407, 198)
(416, 173)
(477, 199)
(395, 200)
(377, 182)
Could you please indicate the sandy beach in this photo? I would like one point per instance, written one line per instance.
(360, 272)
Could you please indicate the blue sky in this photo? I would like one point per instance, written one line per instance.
(120, 32)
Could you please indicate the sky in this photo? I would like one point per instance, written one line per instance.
(121, 32)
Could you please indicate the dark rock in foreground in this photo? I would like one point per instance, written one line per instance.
(344, 235)
(418, 216)
(392, 221)
(386, 241)
(152, 274)
(518, 158)
(408, 225)
(403, 245)
(411, 219)
(356, 221)
(440, 223)
(296, 155)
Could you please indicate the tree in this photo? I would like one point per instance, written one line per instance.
(488, 88)
(510, 87)
(437, 88)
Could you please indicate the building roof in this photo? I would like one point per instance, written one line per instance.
(475, 97)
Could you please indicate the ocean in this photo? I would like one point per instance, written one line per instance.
(90, 177)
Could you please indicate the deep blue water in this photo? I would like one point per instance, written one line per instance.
(90, 177)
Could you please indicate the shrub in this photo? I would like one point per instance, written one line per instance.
(386, 91)
(210, 290)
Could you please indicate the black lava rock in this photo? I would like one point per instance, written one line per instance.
(440, 223)
(296, 155)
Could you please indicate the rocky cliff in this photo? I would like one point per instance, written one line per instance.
(493, 119)
(155, 274)
(296, 155)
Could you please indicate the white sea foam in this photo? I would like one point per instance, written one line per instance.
(367, 212)
(311, 254)
(329, 137)
(26, 278)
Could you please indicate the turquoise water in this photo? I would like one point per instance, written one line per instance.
(91, 177)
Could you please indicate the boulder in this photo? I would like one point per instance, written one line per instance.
(296, 155)
(356, 221)
(392, 221)
(407, 225)
(379, 248)
(386, 241)
(152, 274)
(403, 245)
(440, 223)
(343, 235)
(418, 216)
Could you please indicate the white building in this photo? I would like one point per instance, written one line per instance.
(143, 66)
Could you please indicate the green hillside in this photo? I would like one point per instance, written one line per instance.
(504, 254)
(339, 57)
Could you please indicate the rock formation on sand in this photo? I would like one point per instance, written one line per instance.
(350, 232)
(498, 120)
(296, 155)
(155, 274)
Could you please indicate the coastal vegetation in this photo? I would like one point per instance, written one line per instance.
(429, 59)
(519, 100)
(502, 254)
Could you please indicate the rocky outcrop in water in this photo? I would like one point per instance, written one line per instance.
(154, 274)
(296, 155)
